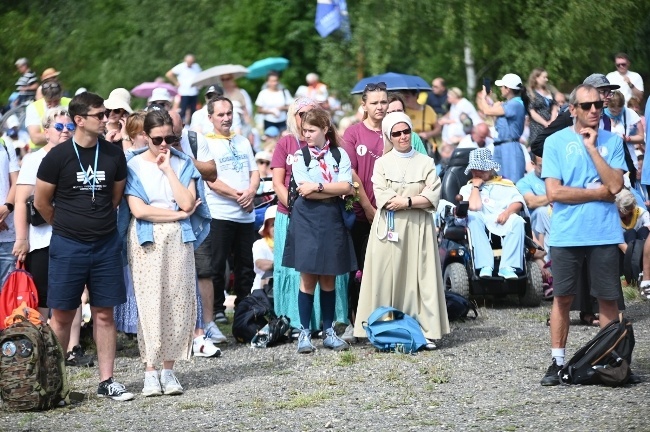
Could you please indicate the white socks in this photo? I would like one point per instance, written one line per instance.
(558, 355)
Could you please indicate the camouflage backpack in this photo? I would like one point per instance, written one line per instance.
(32, 366)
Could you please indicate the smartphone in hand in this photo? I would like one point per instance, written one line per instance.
(487, 83)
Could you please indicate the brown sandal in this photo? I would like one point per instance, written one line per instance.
(589, 319)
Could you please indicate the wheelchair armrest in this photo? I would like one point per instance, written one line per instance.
(456, 233)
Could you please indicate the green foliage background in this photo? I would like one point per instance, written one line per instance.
(121, 43)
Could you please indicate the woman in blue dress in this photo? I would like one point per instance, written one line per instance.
(509, 123)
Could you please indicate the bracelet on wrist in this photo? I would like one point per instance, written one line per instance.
(10, 207)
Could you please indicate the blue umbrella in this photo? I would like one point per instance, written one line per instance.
(394, 82)
(260, 68)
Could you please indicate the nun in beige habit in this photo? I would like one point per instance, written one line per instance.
(402, 267)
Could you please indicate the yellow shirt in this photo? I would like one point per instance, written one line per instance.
(423, 120)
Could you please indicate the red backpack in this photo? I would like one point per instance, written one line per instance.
(18, 288)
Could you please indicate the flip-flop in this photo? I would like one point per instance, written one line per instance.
(589, 319)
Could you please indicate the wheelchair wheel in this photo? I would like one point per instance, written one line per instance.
(456, 279)
(534, 286)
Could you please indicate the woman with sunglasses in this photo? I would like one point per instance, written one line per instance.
(403, 270)
(32, 244)
(509, 124)
(319, 251)
(161, 194)
(285, 279)
(118, 109)
(396, 104)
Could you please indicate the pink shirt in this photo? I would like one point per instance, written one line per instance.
(284, 157)
(364, 146)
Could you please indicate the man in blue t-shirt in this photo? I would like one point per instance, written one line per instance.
(583, 170)
(533, 189)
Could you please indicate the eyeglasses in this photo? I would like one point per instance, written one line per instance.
(398, 134)
(263, 162)
(118, 111)
(169, 139)
(605, 93)
(99, 116)
(50, 85)
(587, 105)
(375, 87)
(621, 64)
(60, 126)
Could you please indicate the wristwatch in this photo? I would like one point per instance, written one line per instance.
(410, 202)
(10, 207)
(320, 187)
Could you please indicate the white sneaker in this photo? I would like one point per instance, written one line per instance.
(348, 335)
(170, 383)
(203, 347)
(213, 333)
(151, 384)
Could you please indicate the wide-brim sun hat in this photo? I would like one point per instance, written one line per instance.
(119, 98)
(268, 214)
(512, 81)
(481, 159)
(160, 94)
(49, 73)
(263, 155)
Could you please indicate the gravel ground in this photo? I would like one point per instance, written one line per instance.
(484, 376)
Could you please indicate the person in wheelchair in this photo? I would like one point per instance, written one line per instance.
(494, 204)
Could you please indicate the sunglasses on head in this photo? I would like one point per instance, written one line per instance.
(374, 87)
(301, 114)
(99, 116)
(169, 139)
(587, 105)
(118, 111)
(60, 126)
(397, 134)
(50, 85)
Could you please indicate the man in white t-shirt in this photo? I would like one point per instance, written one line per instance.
(230, 200)
(182, 76)
(631, 82)
(8, 175)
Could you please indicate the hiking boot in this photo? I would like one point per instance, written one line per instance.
(203, 347)
(508, 273)
(151, 384)
(213, 333)
(304, 342)
(170, 383)
(333, 342)
(114, 390)
(348, 335)
(486, 272)
(552, 377)
(221, 318)
(77, 358)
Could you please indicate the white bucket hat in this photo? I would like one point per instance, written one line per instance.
(481, 160)
(268, 214)
(510, 80)
(160, 94)
(119, 98)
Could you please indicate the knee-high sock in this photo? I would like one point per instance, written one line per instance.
(327, 306)
(305, 308)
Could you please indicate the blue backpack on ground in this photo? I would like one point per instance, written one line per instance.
(458, 307)
(401, 334)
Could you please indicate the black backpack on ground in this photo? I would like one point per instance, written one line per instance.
(458, 306)
(293, 186)
(603, 360)
(251, 314)
(633, 261)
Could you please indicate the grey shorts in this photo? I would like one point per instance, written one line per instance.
(602, 267)
(203, 258)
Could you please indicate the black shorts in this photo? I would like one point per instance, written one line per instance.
(203, 258)
(602, 268)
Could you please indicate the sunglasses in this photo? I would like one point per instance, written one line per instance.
(99, 116)
(50, 85)
(118, 111)
(587, 105)
(398, 134)
(301, 114)
(374, 87)
(263, 162)
(60, 126)
(169, 139)
(621, 64)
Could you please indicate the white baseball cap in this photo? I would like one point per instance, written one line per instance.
(510, 80)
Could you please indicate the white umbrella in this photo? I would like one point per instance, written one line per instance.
(210, 76)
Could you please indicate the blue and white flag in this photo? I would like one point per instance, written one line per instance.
(332, 15)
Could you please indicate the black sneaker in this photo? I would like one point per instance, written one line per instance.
(77, 358)
(114, 390)
(552, 377)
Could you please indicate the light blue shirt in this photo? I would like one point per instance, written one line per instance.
(592, 223)
(510, 126)
(340, 172)
(645, 171)
(530, 183)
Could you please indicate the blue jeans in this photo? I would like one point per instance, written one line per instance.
(7, 261)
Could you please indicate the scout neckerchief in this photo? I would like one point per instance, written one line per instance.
(85, 174)
(635, 215)
(236, 163)
(319, 155)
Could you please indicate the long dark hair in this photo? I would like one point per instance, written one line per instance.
(321, 119)
(157, 118)
(523, 94)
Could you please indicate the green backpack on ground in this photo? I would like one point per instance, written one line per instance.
(32, 366)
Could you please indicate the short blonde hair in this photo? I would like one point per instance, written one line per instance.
(52, 114)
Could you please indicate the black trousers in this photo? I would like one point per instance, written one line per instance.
(236, 238)
(360, 233)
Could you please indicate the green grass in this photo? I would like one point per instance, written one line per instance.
(81, 374)
(347, 358)
(304, 400)
(195, 405)
(631, 293)
(435, 374)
